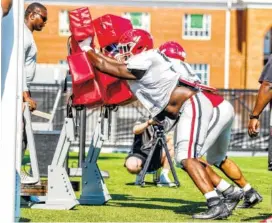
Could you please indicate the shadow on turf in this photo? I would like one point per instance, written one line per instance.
(187, 207)
(24, 220)
(100, 157)
(261, 216)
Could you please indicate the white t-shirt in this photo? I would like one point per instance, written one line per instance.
(30, 50)
(154, 89)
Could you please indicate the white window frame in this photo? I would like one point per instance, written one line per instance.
(146, 24)
(207, 20)
(62, 26)
(197, 68)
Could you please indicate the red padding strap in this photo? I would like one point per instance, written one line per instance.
(197, 85)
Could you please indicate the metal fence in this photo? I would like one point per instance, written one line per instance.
(120, 131)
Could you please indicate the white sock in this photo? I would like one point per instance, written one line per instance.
(223, 185)
(247, 188)
(211, 194)
(164, 171)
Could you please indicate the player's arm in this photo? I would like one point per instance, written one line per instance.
(109, 67)
(109, 59)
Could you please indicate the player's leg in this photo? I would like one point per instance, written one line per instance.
(218, 140)
(216, 155)
(190, 134)
(233, 172)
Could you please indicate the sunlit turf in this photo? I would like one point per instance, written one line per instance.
(156, 204)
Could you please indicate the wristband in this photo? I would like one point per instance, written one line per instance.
(251, 116)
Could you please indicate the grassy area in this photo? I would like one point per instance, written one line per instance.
(153, 204)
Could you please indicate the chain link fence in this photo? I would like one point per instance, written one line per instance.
(122, 120)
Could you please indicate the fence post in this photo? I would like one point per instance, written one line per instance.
(113, 126)
(82, 137)
(270, 140)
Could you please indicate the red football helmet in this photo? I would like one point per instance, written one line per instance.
(173, 50)
(133, 42)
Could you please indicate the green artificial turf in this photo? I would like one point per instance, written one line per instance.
(156, 204)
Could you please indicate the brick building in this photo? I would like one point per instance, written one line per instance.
(203, 27)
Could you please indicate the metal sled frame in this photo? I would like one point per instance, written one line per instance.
(94, 190)
(31, 145)
(60, 194)
(159, 137)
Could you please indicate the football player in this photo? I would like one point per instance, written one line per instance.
(156, 84)
(217, 140)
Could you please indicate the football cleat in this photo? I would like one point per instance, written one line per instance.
(216, 210)
(232, 196)
(251, 198)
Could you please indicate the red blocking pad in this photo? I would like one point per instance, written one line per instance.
(74, 47)
(114, 91)
(81, 25)
(87, 94)
(86, 90)
(81, 68)
(109, 28)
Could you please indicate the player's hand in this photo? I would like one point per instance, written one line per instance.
(253, 127)
(85, 45)
(31, 103)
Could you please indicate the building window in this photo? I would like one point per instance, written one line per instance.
(139, 20)
(64, 23)
(197, 26)
(203, 72)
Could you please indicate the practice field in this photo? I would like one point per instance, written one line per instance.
(153, 204)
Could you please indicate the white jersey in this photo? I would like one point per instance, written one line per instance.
(154, 89)
(185, 70)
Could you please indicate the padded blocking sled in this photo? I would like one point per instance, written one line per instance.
(93, 88)
(109, 28)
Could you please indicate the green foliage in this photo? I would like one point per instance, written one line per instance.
(152, 204)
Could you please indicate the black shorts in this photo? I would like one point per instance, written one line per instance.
(155, 162)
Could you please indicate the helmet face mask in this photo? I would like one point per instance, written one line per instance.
(125, 51)
(110, 50)
(133, 42)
